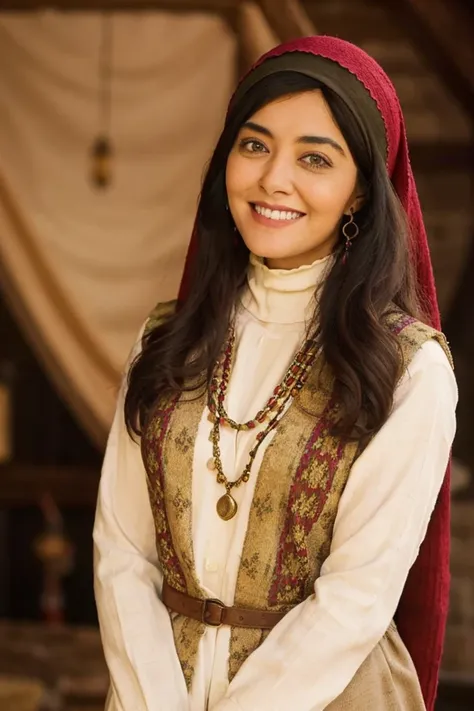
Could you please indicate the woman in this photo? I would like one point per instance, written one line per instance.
(290, 422)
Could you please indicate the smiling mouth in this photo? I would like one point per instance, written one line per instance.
(277, 215)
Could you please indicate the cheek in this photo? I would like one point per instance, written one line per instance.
(329, 193)
(231, 175)
(240, 175)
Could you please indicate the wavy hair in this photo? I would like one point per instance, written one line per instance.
(354, 299)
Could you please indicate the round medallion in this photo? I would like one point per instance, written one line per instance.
(226, 507)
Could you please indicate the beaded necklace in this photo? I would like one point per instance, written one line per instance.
(291, 384)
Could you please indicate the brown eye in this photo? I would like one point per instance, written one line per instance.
(316, 160)
(251, 145)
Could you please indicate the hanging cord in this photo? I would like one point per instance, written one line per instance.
(102, 146)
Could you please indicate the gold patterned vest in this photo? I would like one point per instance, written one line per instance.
(301, 479)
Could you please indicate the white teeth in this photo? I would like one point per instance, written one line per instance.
(276, 214)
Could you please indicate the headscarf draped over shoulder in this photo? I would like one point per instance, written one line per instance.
(371, 96)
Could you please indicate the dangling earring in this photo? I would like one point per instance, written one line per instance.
(350, 231)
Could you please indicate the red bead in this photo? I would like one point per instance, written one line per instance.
(251, 425)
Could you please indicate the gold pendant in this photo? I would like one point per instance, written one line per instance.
(226, 507)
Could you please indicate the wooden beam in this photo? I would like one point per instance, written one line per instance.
(446, 155)
(440, 30)
(287, 18)
(24, 484)
(218, 6)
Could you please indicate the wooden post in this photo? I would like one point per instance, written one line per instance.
(56, 555)
(287, 18)
(446, 38)
(255, 34)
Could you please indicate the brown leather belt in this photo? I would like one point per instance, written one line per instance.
(214, 613)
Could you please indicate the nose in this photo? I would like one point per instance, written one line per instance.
(277, 176)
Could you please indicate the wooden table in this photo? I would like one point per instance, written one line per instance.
(21, 694)
(67, 660)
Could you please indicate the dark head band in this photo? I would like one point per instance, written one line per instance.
(342, 82)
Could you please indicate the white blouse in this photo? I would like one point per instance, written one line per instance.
(311, 655)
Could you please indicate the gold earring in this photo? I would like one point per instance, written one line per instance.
(350, 230)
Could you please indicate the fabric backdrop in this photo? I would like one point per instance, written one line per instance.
(81, 267)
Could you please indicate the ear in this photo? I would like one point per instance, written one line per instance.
(354, 204)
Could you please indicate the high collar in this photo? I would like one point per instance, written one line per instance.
(281, 295)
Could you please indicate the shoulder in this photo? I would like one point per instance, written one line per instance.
(429, 378)
(428, 369)
(160, 313)
(414, 336)
(430, 358)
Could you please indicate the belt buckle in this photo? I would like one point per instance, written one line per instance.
(206, 612)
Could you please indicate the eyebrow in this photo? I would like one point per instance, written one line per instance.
(314, 140)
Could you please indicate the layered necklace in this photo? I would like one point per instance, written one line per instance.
(290, 385)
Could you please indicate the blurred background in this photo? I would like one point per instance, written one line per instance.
(109, 110)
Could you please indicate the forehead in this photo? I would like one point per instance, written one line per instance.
(302, 114)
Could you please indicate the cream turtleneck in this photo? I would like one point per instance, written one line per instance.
(276, 308)
(283, 296)
(312, 654)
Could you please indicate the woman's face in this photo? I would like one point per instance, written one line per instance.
(290, 177)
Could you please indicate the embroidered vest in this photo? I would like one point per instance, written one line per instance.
(301, 479)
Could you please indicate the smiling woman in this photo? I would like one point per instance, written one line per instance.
(295, 412)
(277, 180)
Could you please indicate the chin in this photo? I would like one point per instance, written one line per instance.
(268, 248)
(266, 252)
(287, 259)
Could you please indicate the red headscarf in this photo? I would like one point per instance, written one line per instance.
(422, 612)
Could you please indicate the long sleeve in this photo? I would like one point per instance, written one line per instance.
(135, 626)
(312, 654)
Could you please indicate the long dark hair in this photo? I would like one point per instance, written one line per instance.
(355, 297)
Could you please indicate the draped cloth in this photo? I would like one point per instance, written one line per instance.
(423, 608)
(82, 267)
